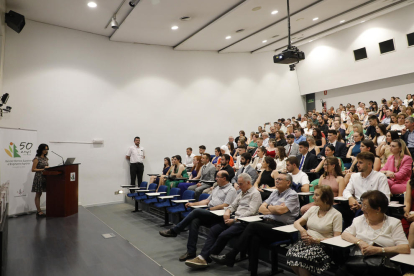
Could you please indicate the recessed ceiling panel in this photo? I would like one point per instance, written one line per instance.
(151, 21)
(250, 16)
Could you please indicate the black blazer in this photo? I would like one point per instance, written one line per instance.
(340, 150)
(311, 161)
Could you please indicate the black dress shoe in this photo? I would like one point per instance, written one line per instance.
(223, 260)
(38, 215)
(187, 256)
(168, 233)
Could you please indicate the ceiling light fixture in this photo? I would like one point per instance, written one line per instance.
(185, 18)
(174, 27)
(256, 8)
(114, 23)
(275, 12)
(133, 3)
(316, 18)
(310, 40)
(264, 41)
(363, 21)
(342, 21)
(228, 37)
(92, 5)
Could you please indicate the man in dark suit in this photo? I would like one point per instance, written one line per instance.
(307, 160)
(340, 148)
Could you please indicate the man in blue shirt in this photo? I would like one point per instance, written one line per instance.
(408, 134)
(299, 135)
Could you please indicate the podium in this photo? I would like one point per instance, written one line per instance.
(62, 190)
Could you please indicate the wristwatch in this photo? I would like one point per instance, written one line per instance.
(383, 250)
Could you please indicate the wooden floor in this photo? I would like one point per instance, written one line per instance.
(72, 246)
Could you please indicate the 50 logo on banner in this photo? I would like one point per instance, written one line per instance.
(25, 149)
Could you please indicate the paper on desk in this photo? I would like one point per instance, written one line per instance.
(218, 212)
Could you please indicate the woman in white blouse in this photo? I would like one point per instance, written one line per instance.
(400, 125)
(381, 130)
(375, 233)
(280, 159)
(323, 222)
(257, 162)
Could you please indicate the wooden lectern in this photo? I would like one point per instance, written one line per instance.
(62, 190)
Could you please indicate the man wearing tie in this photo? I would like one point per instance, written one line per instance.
(291, 148)
(245, 168)
(340, 148)
(308, 161)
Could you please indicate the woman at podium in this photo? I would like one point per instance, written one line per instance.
(40, 163)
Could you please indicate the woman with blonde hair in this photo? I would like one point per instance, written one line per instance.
(312, 145)
(398, 167)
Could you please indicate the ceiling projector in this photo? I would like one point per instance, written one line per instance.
(289, 56)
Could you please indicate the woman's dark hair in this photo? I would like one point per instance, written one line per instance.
(218, 150)
(333, 161)
(169, 162)
(331, 147)
(178, 157)
(376, 199)
(369, 144)
(263, 149)
(376, 106)
(231, 146)
(383, 129)
(281, 135)
(394, 135)
(40, 149)
(282, 152)
(327, 195)
(318, 134)
(271, 162)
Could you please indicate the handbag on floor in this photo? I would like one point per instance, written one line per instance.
(370, 265)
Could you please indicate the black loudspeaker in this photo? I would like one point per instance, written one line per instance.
(15, 21)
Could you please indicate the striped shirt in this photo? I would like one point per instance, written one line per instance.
(222, 195)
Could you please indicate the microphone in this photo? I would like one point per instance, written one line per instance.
(63, 161)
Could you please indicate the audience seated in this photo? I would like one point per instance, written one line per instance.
(356, 147)
(246, 167)
(298, 177)
(280, 139)
(246, 204)
(242, 134)
(266, 178)
(312, 146)
(366, 179)
(167, 166)
(329, 152)
(407, 221)
(224, 166)
(225, 150)
(319, 139)
(231, 141)
(188, 160)
(183, 186)
(384, 149)
(375, 234)
(398, 167)
(299, 137)
(323, 126)
(381, 132)
(252, 144)
(281, 208)
(366, 146)
(259, 145)
(400, 125)
(240, 150)
(408, 135)
(322, 222)
(222, 196)
(280, 159)
(292, 149)
(271, 149)
(265, 137)
(331, 177)
(207, 173)
(393, 121)
(177, 170)
(372, 129)
(308, 161)
(217, 154)
(257, 161)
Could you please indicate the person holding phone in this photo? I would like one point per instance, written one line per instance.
(40, 163)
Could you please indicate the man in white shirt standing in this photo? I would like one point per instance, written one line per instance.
(365, 180)
(188, 159)
(136, 157)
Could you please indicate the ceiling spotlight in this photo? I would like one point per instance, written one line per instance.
(310, 40)
(342, 21)
(362, 21)
(264, 41)
(292, 67)
(133, 3)
(174, 27)
(316, 18)
(274, 12)
(228, 37)
(92, 5)
(114, 23)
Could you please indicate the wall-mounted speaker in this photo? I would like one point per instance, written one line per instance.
(15, 21)
(360, 54)
(387, 46)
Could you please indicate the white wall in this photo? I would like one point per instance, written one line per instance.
(330, 62)
(75, 86)
(398, 86)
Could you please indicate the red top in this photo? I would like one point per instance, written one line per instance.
(271, 153)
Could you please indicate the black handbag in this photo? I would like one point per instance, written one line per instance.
(372, 265)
